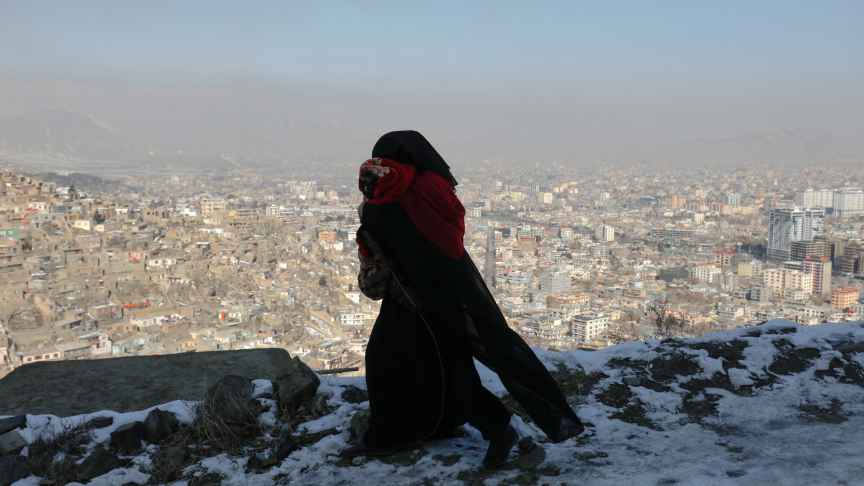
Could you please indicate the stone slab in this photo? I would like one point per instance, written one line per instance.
(11, 442)
(65, 388)
(12, 423)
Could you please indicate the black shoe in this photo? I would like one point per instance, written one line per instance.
(567, 429)
(500, 447)
(361, 448)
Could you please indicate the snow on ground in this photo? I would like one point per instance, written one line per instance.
(773, 404)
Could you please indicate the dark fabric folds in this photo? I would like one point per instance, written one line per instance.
(450, 295)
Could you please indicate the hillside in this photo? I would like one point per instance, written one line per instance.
(773, 404)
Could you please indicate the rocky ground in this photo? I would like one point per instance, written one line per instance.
(773, 404)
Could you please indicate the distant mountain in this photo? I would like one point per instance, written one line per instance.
(63, 140)
(86, 182)
(61, 132)
(772, 147)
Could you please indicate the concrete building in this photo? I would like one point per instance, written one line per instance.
(211, 206)
(788, 225)
(820, 271)
(705, 273)
(781, 280)
(816, 248)
(354, 319)
(724, 257)
(586, 328)
(845, 297)
(818, 198)
(604, 233)
(848, 202)
(852, 259)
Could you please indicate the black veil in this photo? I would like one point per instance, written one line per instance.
(412, 148)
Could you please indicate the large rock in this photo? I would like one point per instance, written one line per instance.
(99, 462)
(99, 422)
(295, 387)
(12, 423)
(159, 425)
(352, 394)
(127, 438)
(11, 442)
(67, 388)
(12, 468)
(359, 425)
(231, 400)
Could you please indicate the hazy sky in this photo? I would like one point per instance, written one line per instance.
(567, 80)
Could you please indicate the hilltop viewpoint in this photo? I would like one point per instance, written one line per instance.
(773, 404)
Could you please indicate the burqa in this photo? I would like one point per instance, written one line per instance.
(419, 361)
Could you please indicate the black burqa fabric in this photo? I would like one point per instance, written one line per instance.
(410, 147)
(452, 298)
(420, 370)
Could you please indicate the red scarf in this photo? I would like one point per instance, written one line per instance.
(427, 198)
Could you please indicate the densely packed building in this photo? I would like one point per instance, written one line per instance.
(575, 259)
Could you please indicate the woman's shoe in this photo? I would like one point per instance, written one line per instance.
(363, 449)
(500, 447)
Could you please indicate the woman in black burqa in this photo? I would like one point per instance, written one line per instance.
(437, 315)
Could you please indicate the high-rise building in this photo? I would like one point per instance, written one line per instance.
(844, 297)
(819, 269)
(816, 248)
(852, 259)
(848, 202)
(604, 232)
(786, 225)
(489, 266)
(819, 198)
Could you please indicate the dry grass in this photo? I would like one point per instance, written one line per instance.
(53, 458)
(211, 430)
(168, 463)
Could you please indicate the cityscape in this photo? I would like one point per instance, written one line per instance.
(95, 267)
(266, 243)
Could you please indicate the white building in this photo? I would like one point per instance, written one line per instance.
(819, 198)
(604, 233)
(848, 202)
(82, 224)
(705, 273)
(586, 328)
(354, 319)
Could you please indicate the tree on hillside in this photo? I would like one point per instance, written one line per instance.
(666, 325)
